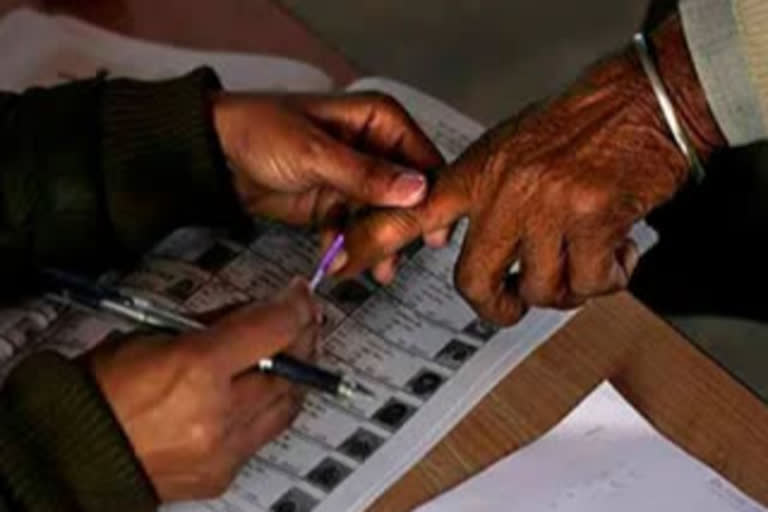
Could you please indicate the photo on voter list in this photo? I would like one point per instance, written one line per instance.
(434, 256)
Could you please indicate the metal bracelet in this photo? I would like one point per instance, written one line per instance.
(678, 133)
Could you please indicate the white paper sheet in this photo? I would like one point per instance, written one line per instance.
(603, 457)
(417, 344)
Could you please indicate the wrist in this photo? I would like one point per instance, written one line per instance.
(689, 100)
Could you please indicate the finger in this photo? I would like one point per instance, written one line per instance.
(543, 264)
(270, 422)
(306, 346)
(482, 272)
(327, 236)
(253, 392)
(317, 206)
(372, 180)
(628, 256)
(382, 233)
(437, 239)
(378, 123)
(593, 267)
(385, 271)
(255, 332)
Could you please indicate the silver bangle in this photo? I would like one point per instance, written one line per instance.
(678, 133)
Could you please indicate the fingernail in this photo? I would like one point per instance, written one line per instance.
(339, 261)
(409, 188)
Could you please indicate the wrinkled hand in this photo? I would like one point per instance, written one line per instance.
(192, 407)
(297, 158)
(557, 189)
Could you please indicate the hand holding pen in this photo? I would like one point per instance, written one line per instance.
(192, 404)
(142, 311)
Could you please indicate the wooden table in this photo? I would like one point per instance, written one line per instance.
(686, 396)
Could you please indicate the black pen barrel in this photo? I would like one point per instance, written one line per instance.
(297, 371)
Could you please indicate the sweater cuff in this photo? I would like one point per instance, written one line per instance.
(718, 45)
(163, 166)
(60, 446)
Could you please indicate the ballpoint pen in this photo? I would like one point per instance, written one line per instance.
(96, 296)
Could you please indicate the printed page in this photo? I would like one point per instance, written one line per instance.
(602, 457)
(415, 343)
(36, 49)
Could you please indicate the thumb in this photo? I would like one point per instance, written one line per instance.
(243, 338)
(369, 179)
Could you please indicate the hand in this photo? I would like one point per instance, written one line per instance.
(298, 158)
(558, 189)
(192, 407)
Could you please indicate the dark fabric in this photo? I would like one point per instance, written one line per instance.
(91, 174)
(710, 257)
(61, 448)
(161, 161)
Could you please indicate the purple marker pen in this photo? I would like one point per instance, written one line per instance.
(326, 261)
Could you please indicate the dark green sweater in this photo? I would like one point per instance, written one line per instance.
(92, 173)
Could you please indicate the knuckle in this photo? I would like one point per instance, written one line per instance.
(583, 280)
(391, 230)
(199, 372)
(592, 283)
(591, 200)
(537, 294)
(204, 438)
(195, 367)
(509, 307)
(508, 317)
(385, 102)
(501, 312)
(313, 152)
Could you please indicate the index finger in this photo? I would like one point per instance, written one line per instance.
(383, 232)
(241, 339)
